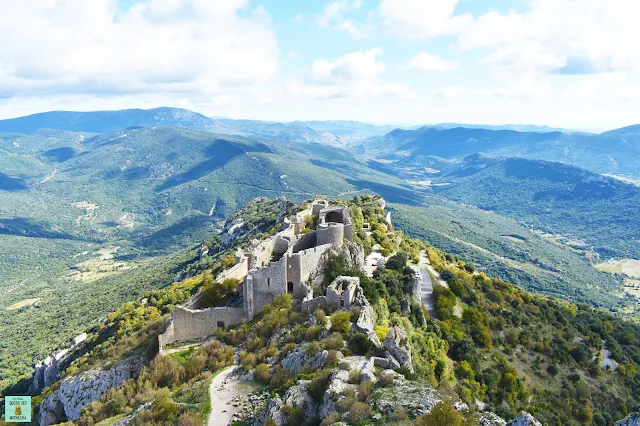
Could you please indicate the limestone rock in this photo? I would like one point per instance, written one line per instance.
(296, 360)
(417, 398)
(398, 346)
(632, 420)
(490, 419)
(524, 419)
(365, 366)
(77, 391)
(296, 396)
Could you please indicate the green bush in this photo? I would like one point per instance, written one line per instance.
(361, 343)
(341, 322)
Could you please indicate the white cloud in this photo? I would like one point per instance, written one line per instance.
(424, 61)
(180, 47)
(356, 74)
(520, 88)
(560, 37)
(334, 16)
(450, 92)
(422, 19)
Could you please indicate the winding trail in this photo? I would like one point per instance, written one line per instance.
(427, 286)
(224, 388)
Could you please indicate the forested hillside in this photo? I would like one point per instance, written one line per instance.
(489, 344)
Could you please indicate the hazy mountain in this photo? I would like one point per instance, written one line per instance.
(557, 198)
(108, 121)
(601, 153)
(515, 127)
(348, 129)
(281, 131)
(633, 130)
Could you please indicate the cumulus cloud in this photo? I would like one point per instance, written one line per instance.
(357, 74)
(77, 47)
(560, 37)
(422, 19)
(424, 61)
(334, 16)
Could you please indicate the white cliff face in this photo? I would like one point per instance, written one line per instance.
(75, 392)
(524, 419)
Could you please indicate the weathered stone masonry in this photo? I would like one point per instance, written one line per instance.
(280, 264)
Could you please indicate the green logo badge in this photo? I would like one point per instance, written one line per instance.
(17, 409)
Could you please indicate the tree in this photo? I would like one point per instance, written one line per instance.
(215, 293)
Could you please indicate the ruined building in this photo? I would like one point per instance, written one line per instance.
(280, 264)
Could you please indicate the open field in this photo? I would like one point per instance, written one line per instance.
(629, 267)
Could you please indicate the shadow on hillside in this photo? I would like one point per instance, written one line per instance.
(219, 153)
(12, 184)
(391, 194)
(25, 227)
(59, 155)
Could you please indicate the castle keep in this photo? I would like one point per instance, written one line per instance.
(283, 263)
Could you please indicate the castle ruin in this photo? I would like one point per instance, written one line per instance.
(281, 264)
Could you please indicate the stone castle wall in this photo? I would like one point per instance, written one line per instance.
(302, 265)
(237, 271)
(330, 233)
(268, 282)
(187, 324)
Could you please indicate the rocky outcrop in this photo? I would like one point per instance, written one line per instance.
(417, 398)
(298, 359)
(47, 372)
(398, 347)
(77, 391)
(296, 396)
(632, 420)
(366, 319)
(524, 419)
(354, 260)
(490, 419)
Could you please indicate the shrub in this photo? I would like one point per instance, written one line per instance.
(190, 419)
(552, 370)
(355, 313)
(280, 377)
(364, 390)
(312, 348)
(361, 343)
(335, 342)
(341, 322)
(332, 358)
(355, 376)
(359, 412)
(381, 331)
(398, 414)
(262, 372)
(321, 316)
(386, 379)
(312, 333)
(319, 384)
(333, 417)
(442, 414)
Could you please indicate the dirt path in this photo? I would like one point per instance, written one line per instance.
(224, 388)
(427, 286)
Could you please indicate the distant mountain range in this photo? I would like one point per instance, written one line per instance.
(554, 197)
(605, 153)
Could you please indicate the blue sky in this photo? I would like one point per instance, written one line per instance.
(566, 63)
